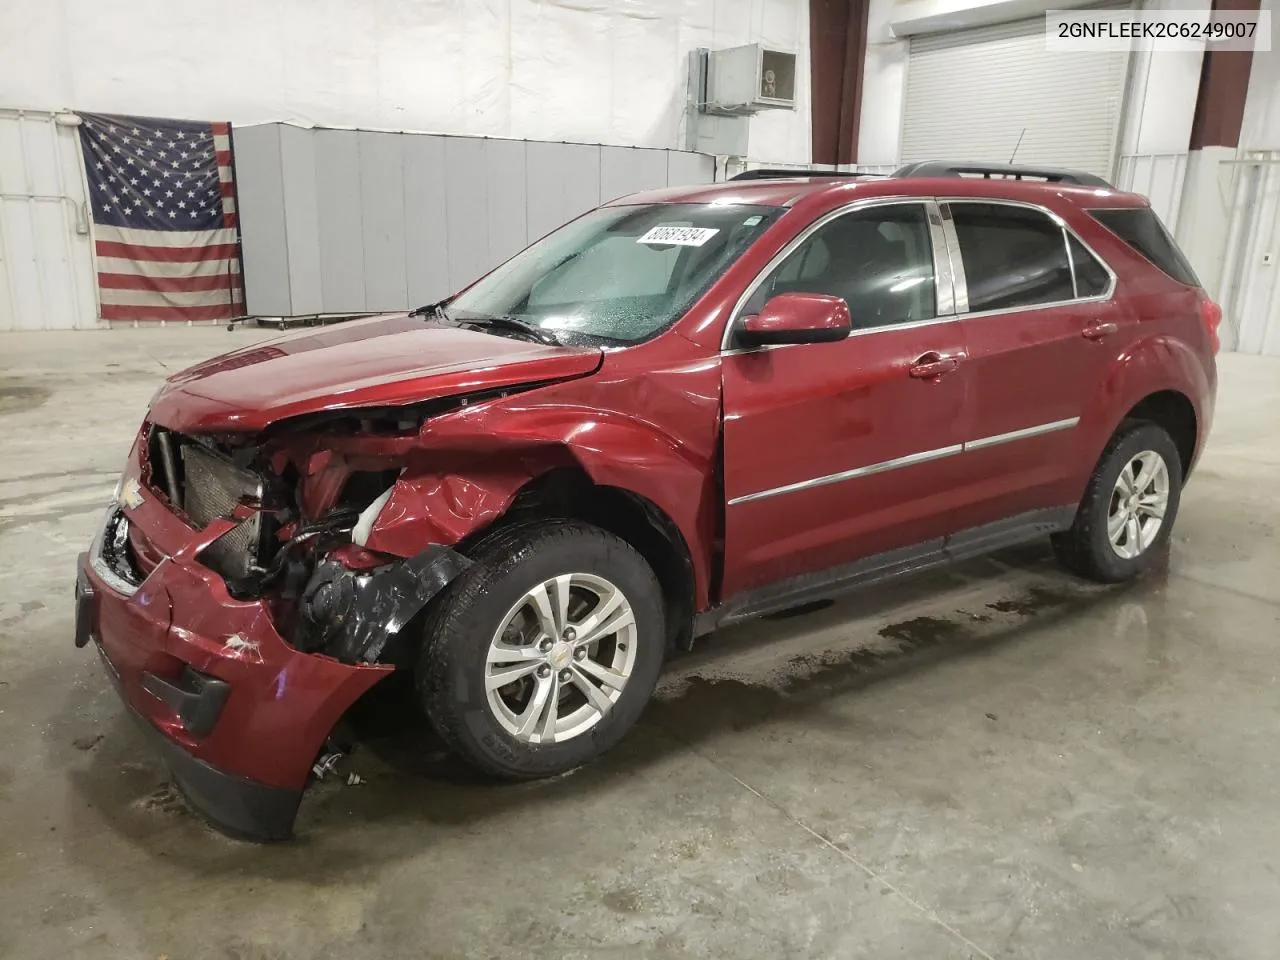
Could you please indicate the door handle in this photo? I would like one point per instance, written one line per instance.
(932, 365)
(1096, 330)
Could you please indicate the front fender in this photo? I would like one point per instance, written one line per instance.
(474, 462)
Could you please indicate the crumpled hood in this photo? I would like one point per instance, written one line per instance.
(377, 361)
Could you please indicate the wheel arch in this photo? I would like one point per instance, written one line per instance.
(1159, 379)
(480, 466)
(1172, 411)
(570, 493)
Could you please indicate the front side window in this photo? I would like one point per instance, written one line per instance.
(618, 274)
(1012, 256)
(878, 260)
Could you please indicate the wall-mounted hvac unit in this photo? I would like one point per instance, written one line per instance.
(741, 81)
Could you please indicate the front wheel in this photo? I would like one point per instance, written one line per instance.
(1128, 508)
(544, 652)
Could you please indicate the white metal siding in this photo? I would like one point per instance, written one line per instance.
(46, 260)
(971, 93)
(1159, 177)
(1250, 293)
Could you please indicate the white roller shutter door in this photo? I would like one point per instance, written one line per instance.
(971, 93)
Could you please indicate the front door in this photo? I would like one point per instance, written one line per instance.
(837, 451)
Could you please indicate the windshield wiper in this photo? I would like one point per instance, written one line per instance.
(515, 324)
(432, 309)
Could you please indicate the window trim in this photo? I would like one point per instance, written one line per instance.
(962, 290)
(943, 267)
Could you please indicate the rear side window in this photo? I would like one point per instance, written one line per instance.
(1092, 279)
(1141, 229)
(1013, 256)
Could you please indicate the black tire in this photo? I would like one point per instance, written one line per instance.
(459, 628)
(1086, 548)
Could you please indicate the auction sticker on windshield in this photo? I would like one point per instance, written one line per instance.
(679, 236)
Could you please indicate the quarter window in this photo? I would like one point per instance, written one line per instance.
(1013, 256)
(1141, 229)
(878, 260)
(1091, 277)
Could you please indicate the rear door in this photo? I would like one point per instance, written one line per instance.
(1041, 328)
(837, 451)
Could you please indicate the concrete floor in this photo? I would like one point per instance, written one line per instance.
(997, 761)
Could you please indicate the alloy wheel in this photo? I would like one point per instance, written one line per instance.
(560, 658)
(1138, 504)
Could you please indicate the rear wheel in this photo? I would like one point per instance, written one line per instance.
(1128, 508)
(543, 653)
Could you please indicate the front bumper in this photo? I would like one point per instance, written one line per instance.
(239, 714)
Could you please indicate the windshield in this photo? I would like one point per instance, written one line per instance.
(617, 273)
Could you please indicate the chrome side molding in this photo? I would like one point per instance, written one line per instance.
(911, 459)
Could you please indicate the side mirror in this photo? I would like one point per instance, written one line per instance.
(797, 318)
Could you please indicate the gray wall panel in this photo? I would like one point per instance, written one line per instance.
(426, 249)
(467, 210)
(262, 221)
(382, 220)
(505, 197)
(579, 179)
(684, 169)
(341, 220)
(562, 180)
(302, 218)
(544, 202)
(625, 170)
(338, 184)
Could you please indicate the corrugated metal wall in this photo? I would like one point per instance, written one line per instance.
(992, 92)
(340, 221)
(46, 260)
(1159, 177)
(1250, 294)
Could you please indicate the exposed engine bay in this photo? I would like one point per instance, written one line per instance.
(303, 498)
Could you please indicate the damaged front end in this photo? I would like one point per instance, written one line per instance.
(300, 502)
(239, 610)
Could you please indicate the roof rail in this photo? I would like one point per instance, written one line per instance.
(1006, 171)
(776, 174)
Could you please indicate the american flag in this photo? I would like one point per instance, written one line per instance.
(164, 214)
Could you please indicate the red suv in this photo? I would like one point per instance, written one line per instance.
(681, 410)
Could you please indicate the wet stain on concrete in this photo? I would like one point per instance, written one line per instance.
(922, 631)
(623, 900)
(1035, 600)
(166, 799)
(67, 908)
(19, 396)
(701, 703)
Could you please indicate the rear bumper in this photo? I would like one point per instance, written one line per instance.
(238, 714)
